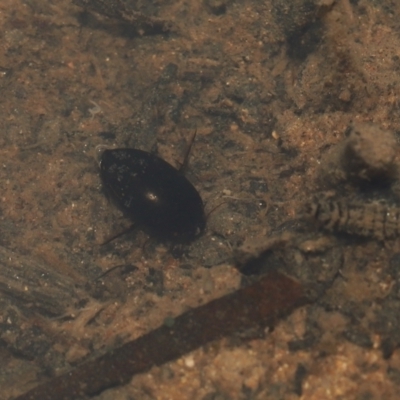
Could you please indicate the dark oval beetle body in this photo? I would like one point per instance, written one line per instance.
(154, 194)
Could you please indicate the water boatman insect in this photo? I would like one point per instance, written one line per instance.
(157, 197)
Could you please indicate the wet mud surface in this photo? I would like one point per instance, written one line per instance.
(296, 158)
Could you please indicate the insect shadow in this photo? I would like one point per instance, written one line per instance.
(153, 194)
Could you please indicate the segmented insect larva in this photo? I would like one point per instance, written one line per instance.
(375, 220)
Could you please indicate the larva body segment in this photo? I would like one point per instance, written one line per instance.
(375, 220)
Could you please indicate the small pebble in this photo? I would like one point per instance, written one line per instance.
(189, 361)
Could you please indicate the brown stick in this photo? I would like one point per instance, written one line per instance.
(254, 306)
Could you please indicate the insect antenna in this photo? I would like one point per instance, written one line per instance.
(119, 234)
(215, 208)
(185, 163)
